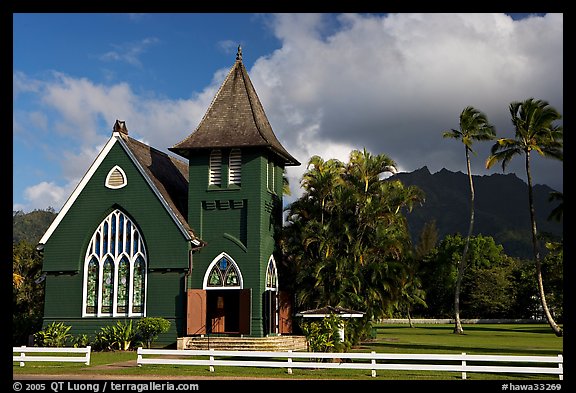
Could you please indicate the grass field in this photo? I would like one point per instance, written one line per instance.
(494, 339)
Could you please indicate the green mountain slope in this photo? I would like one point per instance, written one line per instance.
(501, 207)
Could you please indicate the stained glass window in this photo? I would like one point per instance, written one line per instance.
(115, 269)
(271, 275)
(121, 233)
(123, 280)
(92, 286)
(231, 277)
(113, 235)
(107, 286)
(215, 278)
(138, 293)
(128, 236)
(97, 250)
(223, 273)
(105, 235)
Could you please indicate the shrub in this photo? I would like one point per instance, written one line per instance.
(80, 341)
(53, 335)
(150, 327)
(323, 336)
(121, 336)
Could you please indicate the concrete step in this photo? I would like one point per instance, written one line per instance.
(271, 343)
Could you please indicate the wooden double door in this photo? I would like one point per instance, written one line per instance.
(218, 311)
(228, 311)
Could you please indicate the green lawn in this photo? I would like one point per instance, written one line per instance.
(494, 339)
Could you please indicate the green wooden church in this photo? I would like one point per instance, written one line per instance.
(189, 237)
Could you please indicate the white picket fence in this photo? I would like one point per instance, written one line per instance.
(61, 354)
(366, 361)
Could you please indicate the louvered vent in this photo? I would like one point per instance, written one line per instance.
(235, 167)
(215, 167)
(116, 178)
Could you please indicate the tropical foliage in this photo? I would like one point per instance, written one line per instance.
(323, 335)
(55, 334)
(346, 236)
(27, 292)
(494, 285)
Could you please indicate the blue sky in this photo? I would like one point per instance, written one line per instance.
(329, 83)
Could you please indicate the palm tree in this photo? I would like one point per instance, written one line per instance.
(474, 126)
(321, 180)
(533, 121)
(558, 212)
(17, 280)
(285, 183)
(346, 235)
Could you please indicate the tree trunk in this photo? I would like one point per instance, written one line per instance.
(462, 265)
(557, 329)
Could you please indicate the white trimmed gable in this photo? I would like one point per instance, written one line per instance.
(115, 138)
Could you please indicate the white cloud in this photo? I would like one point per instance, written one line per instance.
(389, 84)
(129, 52)
(228, 46)
(45, 194)
(84, 112)
(22, 84)
(393, 84)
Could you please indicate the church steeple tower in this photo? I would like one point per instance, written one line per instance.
(235, 118)
(236, 167)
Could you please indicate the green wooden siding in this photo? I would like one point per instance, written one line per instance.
(58, 302)
(246, 233)
(166, 247)
(91, 326)
(165, 243)
(167, 300)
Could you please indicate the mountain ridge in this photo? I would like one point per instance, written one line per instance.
(500, 207)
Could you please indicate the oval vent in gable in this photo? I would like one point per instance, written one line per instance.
(116, 178)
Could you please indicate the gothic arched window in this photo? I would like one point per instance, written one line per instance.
(271, 275)
(223, 273)
(115, 269)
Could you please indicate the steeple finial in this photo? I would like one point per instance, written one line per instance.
(120, 126)
(239, 54)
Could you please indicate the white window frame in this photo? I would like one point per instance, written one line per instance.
(271, 261)
(117, 255)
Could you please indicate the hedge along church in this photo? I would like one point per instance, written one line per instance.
(189, 239)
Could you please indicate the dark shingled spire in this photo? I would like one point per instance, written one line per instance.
(235, 118)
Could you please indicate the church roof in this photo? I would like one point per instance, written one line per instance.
(169, 175)
(166, 175)
(235, 118)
